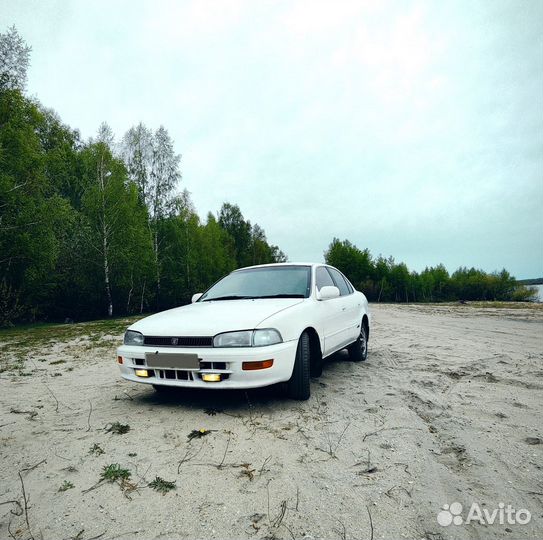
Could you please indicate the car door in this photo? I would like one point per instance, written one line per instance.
(330, 313)
(350, 309)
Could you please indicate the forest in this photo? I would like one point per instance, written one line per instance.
(384, 280)
(100, 227)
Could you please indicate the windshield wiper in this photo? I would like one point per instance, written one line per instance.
(238, 297)
(280, 296)
(231, 297)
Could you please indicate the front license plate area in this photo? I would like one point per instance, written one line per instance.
(172, 360)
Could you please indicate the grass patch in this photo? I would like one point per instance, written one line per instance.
(114, 472)
(66, 485)
(118, 428)
(28, 336)
(161, 485)
(96, 450)
(507, 305)
(9, 367)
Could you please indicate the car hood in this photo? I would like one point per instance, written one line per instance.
(211, 318)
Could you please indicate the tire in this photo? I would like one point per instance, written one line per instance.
(358, 351)
(298, 387)
(315, 369)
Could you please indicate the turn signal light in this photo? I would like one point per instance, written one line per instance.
(142, 373)
(119, 359)
(264, 364)
(211, 377)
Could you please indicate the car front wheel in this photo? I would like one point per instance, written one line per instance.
(298, 385)
(358, 351)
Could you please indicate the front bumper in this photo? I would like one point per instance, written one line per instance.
(224, 361)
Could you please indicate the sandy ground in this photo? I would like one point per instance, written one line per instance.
(448, 408)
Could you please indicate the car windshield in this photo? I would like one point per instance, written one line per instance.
(265, 282)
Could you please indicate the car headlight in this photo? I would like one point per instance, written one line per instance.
(131, 337)
(269, 336)
(248, 338)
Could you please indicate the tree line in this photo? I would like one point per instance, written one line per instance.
(97, 227)
(384, 280)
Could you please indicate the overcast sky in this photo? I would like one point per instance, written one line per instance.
(414, 129)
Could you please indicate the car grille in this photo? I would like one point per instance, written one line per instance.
(184, 341)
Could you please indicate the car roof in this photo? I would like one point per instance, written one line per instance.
(283, 264)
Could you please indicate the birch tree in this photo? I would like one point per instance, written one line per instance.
(163, 181)
(14, 60)
(102, 202)
(164, 174)
(137, 152)
(153, 166)
(105, 140)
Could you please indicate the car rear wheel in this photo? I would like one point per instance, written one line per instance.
(298, 385)
(358, 351)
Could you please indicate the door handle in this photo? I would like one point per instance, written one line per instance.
(343, 309)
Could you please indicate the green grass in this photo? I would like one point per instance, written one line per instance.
(161, 485)
(66, 485)
(32, 334)
(20, 341)
(114, 472)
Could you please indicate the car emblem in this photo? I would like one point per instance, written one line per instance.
(175, 341)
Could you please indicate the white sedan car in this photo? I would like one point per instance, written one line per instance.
(257, 326)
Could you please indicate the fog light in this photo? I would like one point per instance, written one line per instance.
(211, 377)
(249, 366)
(119, 359)
(142, 373)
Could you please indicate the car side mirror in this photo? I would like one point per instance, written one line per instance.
(328, 292)
(196, 297)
